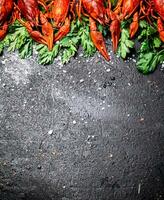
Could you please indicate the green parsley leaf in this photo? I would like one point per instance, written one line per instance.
(19, 39)
(46, 57)
(148, 62)
(125, 43)
(86, 42)
(69, 46)
(1, 47)
(157, 42)
(150, 54)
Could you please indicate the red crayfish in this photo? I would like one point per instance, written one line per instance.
(48, 21)
(6, 17)
(36, 22)
(58, 12)
(159, 8)
(96, 11)
(129, 8)
(124, 9)
(149, 9)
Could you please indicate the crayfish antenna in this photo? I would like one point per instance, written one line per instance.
(119, 5)
(72, 5)
(79, 8)
(98, 39)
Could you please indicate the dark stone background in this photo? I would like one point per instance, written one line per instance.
(88, 130)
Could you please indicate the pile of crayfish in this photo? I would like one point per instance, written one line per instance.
(48, 21)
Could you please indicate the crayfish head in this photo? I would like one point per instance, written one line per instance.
(129, 7)
(6, 8)
(159, 7)
(58, 14)
(29, 10)
(3, 15)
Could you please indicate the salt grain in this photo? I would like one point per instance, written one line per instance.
(74, 122)
(82, 80)
(111, 155)
(139, 188)
(50, 132)
(108, 70)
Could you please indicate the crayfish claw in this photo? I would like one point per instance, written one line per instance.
(63, 31)
(6, 16)
(134, 25)
(3, 31)
(97, 39)
(115, 33)
(47, 31)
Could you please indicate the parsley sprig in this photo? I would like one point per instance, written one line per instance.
(68, 46)
(150, 55)
(18, 39)
(151, 50)
(125, 44)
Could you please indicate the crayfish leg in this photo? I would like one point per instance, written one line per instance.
(43, 4)
(72, 4)
(119, 5)
(79, 8)
(97, 39)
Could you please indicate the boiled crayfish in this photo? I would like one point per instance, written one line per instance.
(114, 26)
(123, 10)
(96, 11)
(48, 21)
(159, 8)
(6, 17)
(36, 23)
(149, 10)
(127, 9)
(58, 12)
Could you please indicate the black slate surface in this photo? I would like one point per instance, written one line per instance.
(88, 130)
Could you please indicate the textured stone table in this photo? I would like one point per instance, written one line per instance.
(88, 130)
